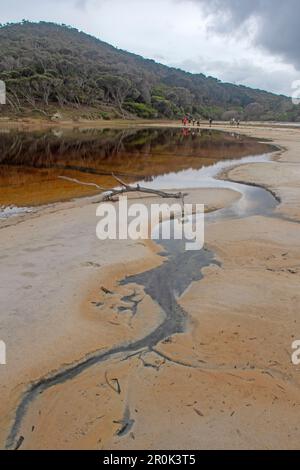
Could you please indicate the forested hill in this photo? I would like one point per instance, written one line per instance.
(48, 68)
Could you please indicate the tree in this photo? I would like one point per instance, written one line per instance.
(115, 88)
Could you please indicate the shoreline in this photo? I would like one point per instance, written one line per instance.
(182, 348)
(32, 124)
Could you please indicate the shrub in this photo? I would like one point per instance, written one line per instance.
(140, 109)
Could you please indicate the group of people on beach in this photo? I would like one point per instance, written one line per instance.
(187, 120)
(191, 121)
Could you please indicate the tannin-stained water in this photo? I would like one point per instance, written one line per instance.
(32, 162)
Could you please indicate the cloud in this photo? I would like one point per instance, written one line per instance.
(242, 72)
(277, 23)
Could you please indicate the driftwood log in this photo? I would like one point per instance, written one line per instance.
(110, 194)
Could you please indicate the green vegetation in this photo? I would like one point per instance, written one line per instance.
(49, 68)
(141, 110)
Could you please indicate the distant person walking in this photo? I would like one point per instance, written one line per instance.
(210, 122)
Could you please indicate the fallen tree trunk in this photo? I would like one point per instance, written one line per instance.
(110, 194)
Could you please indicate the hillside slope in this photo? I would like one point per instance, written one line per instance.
(50, 67)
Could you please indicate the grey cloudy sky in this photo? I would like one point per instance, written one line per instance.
(250, 42)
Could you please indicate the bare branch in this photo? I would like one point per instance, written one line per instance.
(133, 189)
(83, 183)
(126, 188)
(122, 183)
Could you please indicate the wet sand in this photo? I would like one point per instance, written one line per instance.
(52, 261)
(227, 381)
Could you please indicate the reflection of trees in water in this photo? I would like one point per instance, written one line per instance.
(36, 149)
(84, 150)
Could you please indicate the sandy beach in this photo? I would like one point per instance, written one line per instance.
(226, 382)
